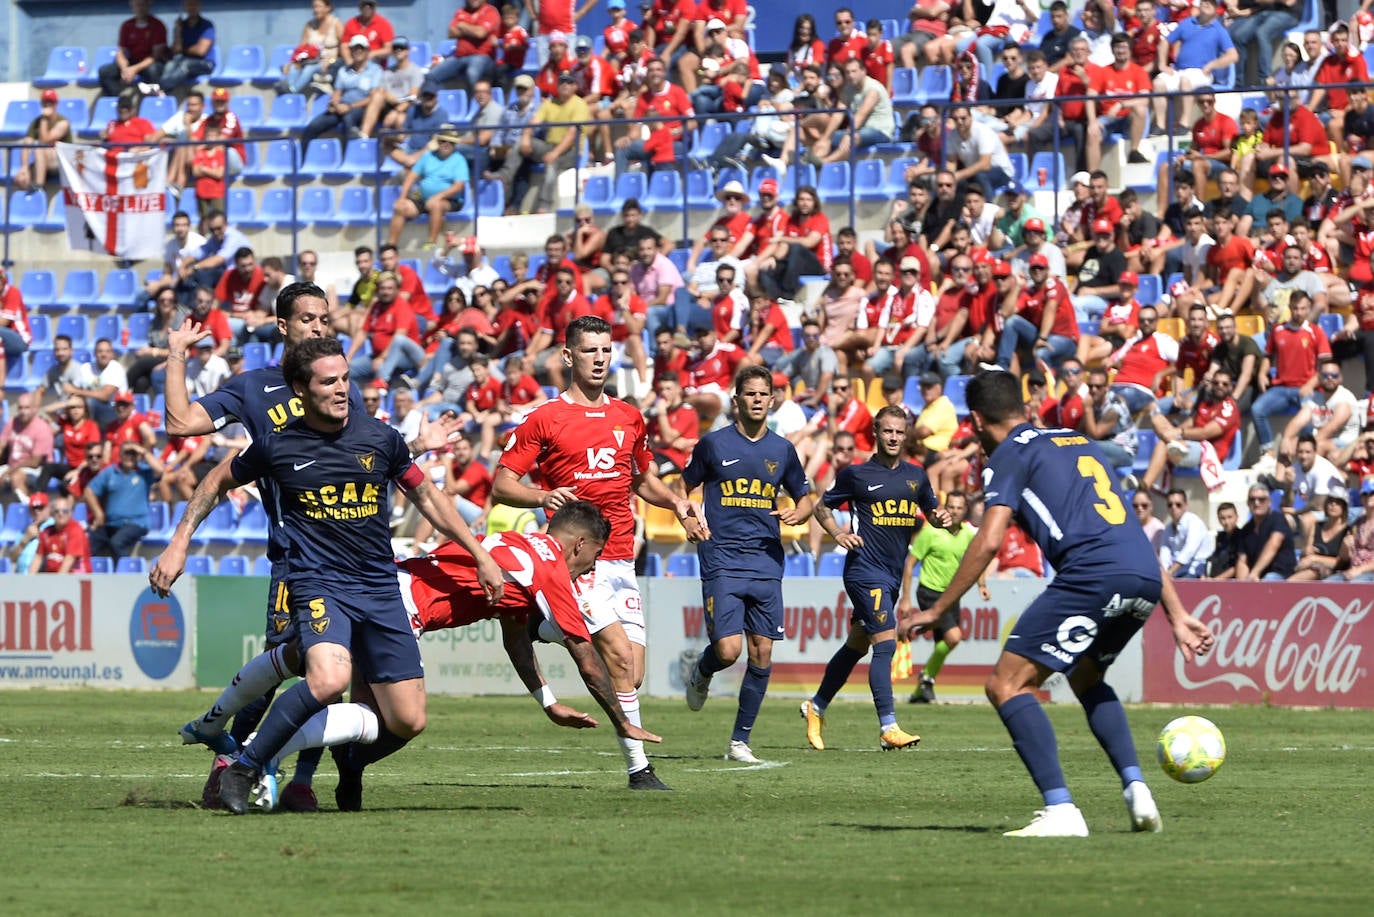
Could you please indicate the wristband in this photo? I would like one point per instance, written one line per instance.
(544, 694)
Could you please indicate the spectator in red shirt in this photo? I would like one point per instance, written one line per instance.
(238, 288)
(803, 249)
(1296, 349)
(672, 425)
(555, 314)
(388, 317)
(62, 546)
(805, 48)
(374, 27)
(1341, 65)
(1228, 265)
(127, 126)
(230, 128)
(670, 355)
(212, 319)
(1215, 420)
(616, 36)
(14, 323)
(513, 41)
(878, 56)
(142, 42)
(658, 99)
(475, 27)
(1109, 115)
(469, 481)
(712, 373)
(1305, 136)
(849, 40)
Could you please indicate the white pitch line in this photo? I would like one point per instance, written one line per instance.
(761, 766)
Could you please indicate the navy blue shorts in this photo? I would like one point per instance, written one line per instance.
(279, 629)
(874, 605)
(735, 605)
(374, 625)
(1071, 620)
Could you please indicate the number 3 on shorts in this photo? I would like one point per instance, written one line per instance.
(1111, 507)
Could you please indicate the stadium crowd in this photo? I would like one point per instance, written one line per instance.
(1185, 334)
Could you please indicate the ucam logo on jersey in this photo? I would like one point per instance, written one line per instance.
(1295, 644)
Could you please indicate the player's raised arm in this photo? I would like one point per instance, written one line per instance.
(980, 553)
(443, 515)
(171, 562)
(520, 651)
(181, 416)
(1192, 636)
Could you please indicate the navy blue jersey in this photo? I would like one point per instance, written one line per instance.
(333, 503)
(742, 479)
(885, 504)
(1065, 495)
(263, 402)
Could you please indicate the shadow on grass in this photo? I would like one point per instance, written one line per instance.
(965, 829)
(139, 799)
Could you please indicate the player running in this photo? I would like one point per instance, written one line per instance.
(742, 469)
(589, 446)
(888, 496)
(333, 469)
(1060, 489)
(939, 552)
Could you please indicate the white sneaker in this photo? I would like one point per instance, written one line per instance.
(1063, 820)
(1131, 483)
(1141, 805)
(740, 751)
(698, 689)
(1266, 464)
(776, 162)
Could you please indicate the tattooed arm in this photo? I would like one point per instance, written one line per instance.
(208, 493)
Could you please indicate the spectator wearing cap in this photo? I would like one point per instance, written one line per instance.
(421, 122)
(665, 144)
(192, 38)
(1279, 196)
(399, 88)
(552, 139)
(117, 501)
(321, 37)
(1120, 322)
(769, 223)
(139, 51)
(355, 78)
(128, 426)
(37, 157)
(560, 61)
(712, 21)
(26, 445)
(25, 547)
(62, 544)
(596, 83)
(785, 416)
(734, 220)
(1037, 314)
(1035, 241)
(436, 185)
(1213, 419)
(230, 128)
(616, 36)
(463, 259)
(373, 26)
(802, 249)
(937, 421)
(476, 28)
(1013, 215)
(1100, 273)
(127, 127)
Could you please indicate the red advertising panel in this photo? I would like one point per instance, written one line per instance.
(1288, 644)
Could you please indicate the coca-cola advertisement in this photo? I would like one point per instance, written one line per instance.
(1287, 644)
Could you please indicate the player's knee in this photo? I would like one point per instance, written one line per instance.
(727, 654)
(953, 638)
(410, 724)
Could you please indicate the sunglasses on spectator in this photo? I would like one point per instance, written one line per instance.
(1331, 375)
(1143, 506)
(961, 270)
(910, 270)
(1177, 503)
(1071, 372)
(59, 511)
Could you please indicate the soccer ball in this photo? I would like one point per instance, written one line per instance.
(1190, 749)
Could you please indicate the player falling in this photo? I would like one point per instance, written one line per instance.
(886, 496)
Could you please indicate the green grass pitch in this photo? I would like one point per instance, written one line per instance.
(495, 811)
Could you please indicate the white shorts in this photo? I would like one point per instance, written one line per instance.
(1196, 79)
(610, 593)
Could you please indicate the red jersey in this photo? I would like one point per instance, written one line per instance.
(1110, 81)
(378, 32)
(1333, 69)
(1236, 252)
(982, 308)
(445, 591)
(670, 101)
(855, 418)
(676, 365)
(515, 44)
(1143, 358)
(1145, 40)
(715, 368)
(901, 317)
(478, 479)
(727, 11)
(1296, 352)
(1018, 551)
(384, 322)
(666, 16)
(594, 76)
(1316, 259)
(117, 434)
(12, 307)
(842, 47)
(135, 130)
(1070, 85)
(619, 316)
(1033, 302)
(554, 317)
(782, 332)
(521, 325)
(75, 439)
(878, 59)
(139, 39)
(484, 396)
(1197, 355)
(597, 449)
(546, 80)
(735, 225)
(230, 128)
(1224, 412)
(1067, 412)
(1305, 129)
(413, 292)
(1215, 136)
(484, 16)
(557, 16)
(1109, 211)
(238, 294)
(523, 392)
(798, 226)
(728, 313)
(946, 307)
(56, 542)
(684, 422)
(617, 37)
(766, 227)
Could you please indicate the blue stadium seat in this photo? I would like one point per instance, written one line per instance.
(285, 115)
(501, 265)
(40, 332)
(653, 564)
(137, 325)
(316, 107)
(262, 566)
(252, 527)
(1330, 323)
(798, 176)
(359, 161)
(233, 565)
(798, 565)
(895, 184)
(256, 355)
(834, 182)
(453, 101)
(131, 565)
(16, 520)
(832, 564)
(911, 395)
(1144, 447)
(18, 116)
(275, 207)
(356, 207)
(628, 185)
(158, 109)
(162, 520)
(1020, 166)
(278, 161)
(185, 203)
(869, 180)
(279, 57)
(79, 287)
(728, 174)
(936, 84)
(105, 54)
(101, 565)
(108, 327)
(679, 258)
(39, 288)
(421, 54)
(701, 190)
(324, 154)
(55, 220)
(904, 81)
(241, 206)
(121, 286)
(955, 387)
(250, 111)
(683, 565)
(706, 139)
(1150, 289)
(317, 208)
(1056, 177)
(26, 210)
(664, 192)
(199, 565)
(596, 194)
(77, 111)
(39, 362)
(219, 526)
(758, 176)
(17, 374)
(240, 64)
(77, 328)
(65, 65)
(102, 113)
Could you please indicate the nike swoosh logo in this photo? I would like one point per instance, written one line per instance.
(728, 462)
(269, 389)
(298, 466)
(874, 486)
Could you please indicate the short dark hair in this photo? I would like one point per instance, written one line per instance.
(286, 299)
(243, 251)
(180, 214)
(274, 263)
(756, 371)
(362, 250)
(1178, 492)
(387, 248)
(890, 410)
(1307, 438)
(581, 516)
(585, 325)
(995, 395)
(295, 365)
